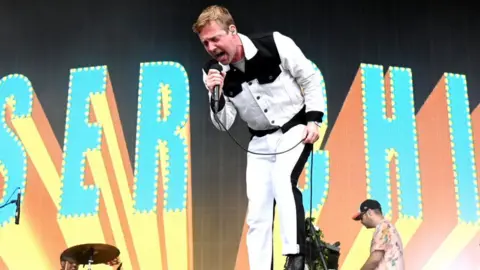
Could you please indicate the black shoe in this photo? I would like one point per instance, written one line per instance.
(295, 262)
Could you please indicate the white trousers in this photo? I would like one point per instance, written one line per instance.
(272, 181)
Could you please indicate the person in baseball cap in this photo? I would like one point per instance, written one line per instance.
(386, 247)
(367, 205)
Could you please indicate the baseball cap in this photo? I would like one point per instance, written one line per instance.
(365, 206)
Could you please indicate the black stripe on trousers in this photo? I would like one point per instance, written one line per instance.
(297, 195)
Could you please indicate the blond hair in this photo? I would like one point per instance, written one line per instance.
(213, 13)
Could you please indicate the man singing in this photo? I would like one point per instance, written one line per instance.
(386, 249)
(274, 88)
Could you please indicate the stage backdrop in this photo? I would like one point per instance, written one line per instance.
(105, 132)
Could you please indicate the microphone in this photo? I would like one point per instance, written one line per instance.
(17, 210)
(216, 89)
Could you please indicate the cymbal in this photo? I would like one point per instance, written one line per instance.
(99, 253)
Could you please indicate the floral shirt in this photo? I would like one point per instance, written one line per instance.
(387, 238)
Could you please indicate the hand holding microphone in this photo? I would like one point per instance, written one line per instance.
(214, 83)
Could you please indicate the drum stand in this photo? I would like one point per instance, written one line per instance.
(90, 259)
(319, 244)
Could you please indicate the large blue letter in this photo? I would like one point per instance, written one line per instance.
(161, 150)
(81, 136)
(388, 136)
(16, 92)
(463, 156)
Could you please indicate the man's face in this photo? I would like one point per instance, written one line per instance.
(219, 43)
(367, 219)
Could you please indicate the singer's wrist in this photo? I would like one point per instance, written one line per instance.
(221, 103)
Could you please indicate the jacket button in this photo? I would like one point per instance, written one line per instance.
(273, 121)
(265, 110)
(258, 97)
(230, 93)
(270, 77)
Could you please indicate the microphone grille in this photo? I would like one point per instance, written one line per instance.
(216, 66)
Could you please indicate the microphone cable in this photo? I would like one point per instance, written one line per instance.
(251, 152)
